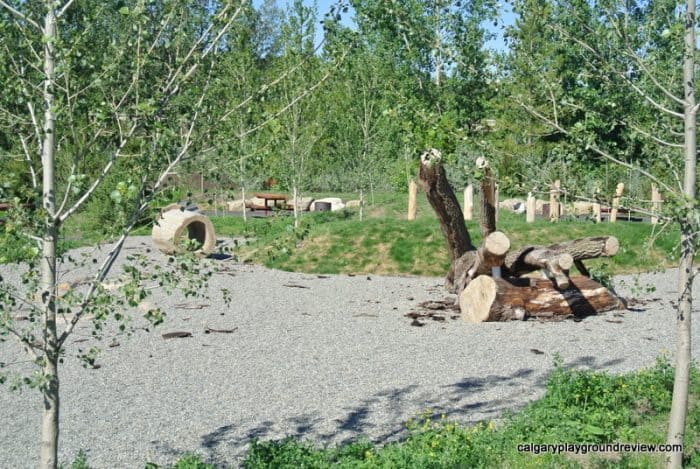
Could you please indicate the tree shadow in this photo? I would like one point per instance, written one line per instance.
(382, 417)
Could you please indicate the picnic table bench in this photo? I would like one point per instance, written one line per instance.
(267, 198)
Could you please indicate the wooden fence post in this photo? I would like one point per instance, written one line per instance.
(469, 202)
(554, 210)
(530, 208)
(616, 202)
(655, 204)
(412, 193)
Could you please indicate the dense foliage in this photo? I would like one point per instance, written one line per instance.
(351, 113)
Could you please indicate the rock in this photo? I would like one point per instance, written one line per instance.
(583, 208)
(235, 205)
(303, 203)
(255, 203)
(352, 203)
(511, 204)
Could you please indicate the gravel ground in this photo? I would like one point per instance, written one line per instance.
(326, 358)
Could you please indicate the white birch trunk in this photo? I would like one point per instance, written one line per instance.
(50, 392)
(362, 204)
(679, 405)
(245, 210)
(296, 210)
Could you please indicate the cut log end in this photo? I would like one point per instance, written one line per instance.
(497, 244)
(612, 245)
(476, 304)
(565, 261)
(431, 157)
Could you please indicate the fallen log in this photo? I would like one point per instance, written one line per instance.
(474, 274)
(558, 258)
(588, 248)
(531, 258)
(497, 299)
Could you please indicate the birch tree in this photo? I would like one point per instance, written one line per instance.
(646, 50)
(94, 90)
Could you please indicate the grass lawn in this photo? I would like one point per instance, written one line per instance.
(385, 243)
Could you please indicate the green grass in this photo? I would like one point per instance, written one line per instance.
(385, 243)
(578, 407)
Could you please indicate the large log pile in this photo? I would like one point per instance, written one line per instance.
(487, 279)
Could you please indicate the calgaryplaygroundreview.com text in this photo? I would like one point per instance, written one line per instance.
(584, 448)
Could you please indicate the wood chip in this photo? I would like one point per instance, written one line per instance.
(536, 351)
(191, 306)
(176, 335)
(209, 330)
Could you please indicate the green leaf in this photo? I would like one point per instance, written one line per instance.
(124, 10)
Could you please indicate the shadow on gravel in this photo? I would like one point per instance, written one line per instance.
(381, 417)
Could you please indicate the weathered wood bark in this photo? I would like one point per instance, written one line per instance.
(558, 258)
(469, 202)
(555, 264)
(589, 248)
(481, 261)
(442, 198)
(487, 199)
(496, 299)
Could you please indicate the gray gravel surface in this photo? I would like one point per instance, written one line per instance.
(325, 358)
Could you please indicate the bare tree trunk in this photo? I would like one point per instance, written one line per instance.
(50, 392)
(679, 405)
(294, 202)
(433, 180)
(362, 204)
(245, 210)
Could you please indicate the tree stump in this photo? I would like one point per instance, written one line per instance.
(487, 218)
